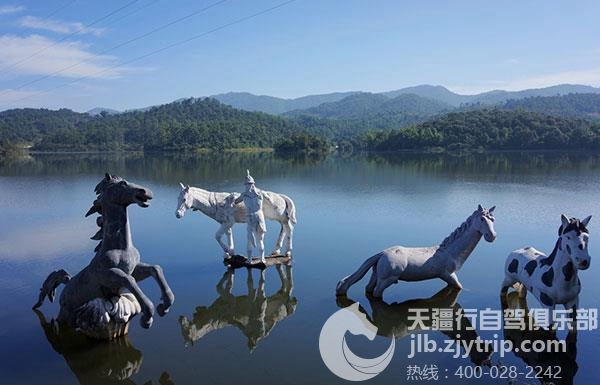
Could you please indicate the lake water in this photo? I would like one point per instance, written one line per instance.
(348, 209)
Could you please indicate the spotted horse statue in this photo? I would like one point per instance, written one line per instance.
(551, 279)
(103, 297)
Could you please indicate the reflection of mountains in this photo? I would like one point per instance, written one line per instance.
(171, 168)
(488, 166)
(392, 320)
(547, 361)
(94, 361)
(255, 314)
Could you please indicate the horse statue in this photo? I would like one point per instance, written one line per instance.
(94, 301)
(552, 279)
(394, 320)
(220, 207)
(421, 263)
(254, 313)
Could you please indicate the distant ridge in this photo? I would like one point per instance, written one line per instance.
(406, 108)
(278, 106)
(100, 110)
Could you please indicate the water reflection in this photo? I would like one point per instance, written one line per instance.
(191, 167)
(546, 361)
(255, 314)
(392, 320)
(94, 361)
(489, 164)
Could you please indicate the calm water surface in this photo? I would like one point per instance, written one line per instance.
(348, 209)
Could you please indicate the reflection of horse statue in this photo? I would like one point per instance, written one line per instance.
(93, 301)
(545, 362)
(552, 279)
(255, 313)
(93, 361)
(219, 206)
(392, 320)
(421, 263)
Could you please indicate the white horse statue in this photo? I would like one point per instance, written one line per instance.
(220, 207)
(552, 279)
(421, 263)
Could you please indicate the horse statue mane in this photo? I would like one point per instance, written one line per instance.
(97, 206)
(463, 227)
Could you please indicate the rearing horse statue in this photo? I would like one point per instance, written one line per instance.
(94, 301)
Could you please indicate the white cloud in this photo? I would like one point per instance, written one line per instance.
(587, 77)
(58, 26)
(72, 59)
(8, 9)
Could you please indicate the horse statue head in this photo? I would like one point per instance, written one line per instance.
(484, 222)
(574, 237)
(184, 201)
(114, 190)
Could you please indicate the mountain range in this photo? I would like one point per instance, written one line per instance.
(280, 106)
(275, 105)
(398, 121)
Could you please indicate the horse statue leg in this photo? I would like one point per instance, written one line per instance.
(279, 242)
(219, 234)
(143, 271)
(289, 229)
(116, 279)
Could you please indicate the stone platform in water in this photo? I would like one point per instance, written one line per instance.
(238, 261)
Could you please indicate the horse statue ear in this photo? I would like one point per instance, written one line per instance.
(586, 221)
(247, 172)
(108, 176)
(491, 210)
(565, 221)
(182, 186)
(479, 208)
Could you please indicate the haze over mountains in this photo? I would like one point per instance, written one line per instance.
(281, 106)
(274, 105)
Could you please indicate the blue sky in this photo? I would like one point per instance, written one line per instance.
(71, 53)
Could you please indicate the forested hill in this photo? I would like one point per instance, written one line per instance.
(584, 106)
(193, 123)
(367, 111)
(206, 123)
(492, 129)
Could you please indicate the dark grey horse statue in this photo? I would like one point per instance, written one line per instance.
(101, 299)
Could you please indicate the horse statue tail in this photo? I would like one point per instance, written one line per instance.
(343, 285)
(290, 209)
(50, 284)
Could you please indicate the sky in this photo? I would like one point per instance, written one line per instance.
(125, 54)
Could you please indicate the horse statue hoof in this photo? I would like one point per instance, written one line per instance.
(146, 322)
(162, 309)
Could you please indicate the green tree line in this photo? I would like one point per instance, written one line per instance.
(492, 129)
